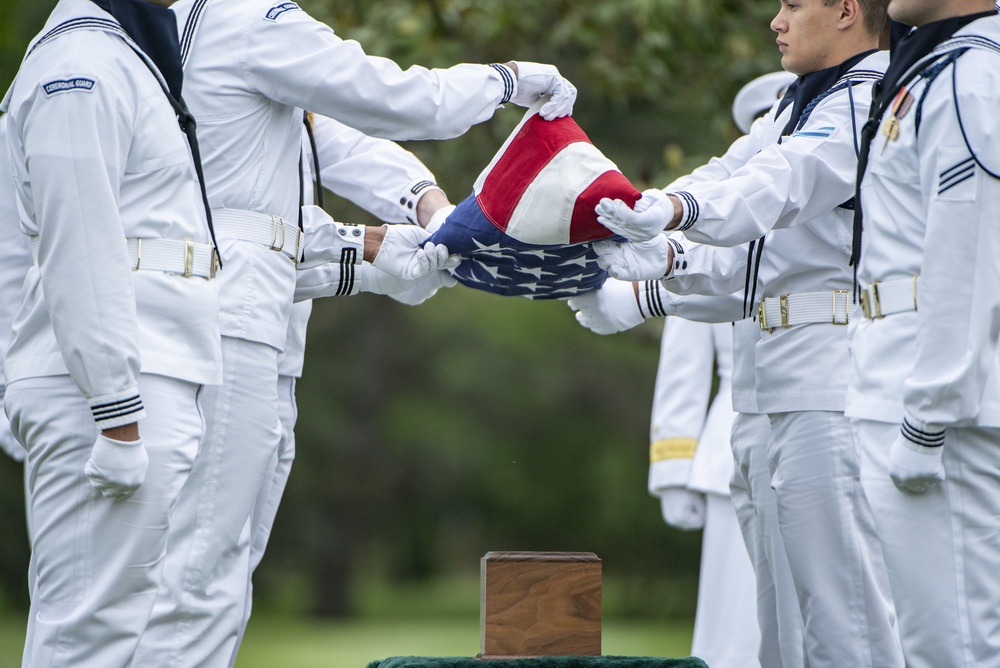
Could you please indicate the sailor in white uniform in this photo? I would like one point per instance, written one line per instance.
(791, 200)
(390, 183)
(250, 67)
(709, 270)
(117, 331)
(925, 380)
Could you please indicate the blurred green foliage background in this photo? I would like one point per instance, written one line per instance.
(428, 436)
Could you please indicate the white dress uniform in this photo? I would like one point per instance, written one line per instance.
(690, 450)
(801, 361)
(387, 181)
(15, 259)
(105, 335)
(924, 365)
(250, 67)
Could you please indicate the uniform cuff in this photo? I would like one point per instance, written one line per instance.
(116, 410)
(651, 304)
(408, 200)
(921, 433)
(509, 82)
(679, 266)
(668, 473)
(689, 209)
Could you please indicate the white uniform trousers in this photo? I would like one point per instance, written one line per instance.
(756, 509)
(96, 562)
(266, 507)
(829, 537)
(200, 607)
(941, 547)
(726, 592)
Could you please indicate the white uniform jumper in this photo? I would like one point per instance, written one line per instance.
(250, 67)
(106, 335)
(387, 181)
(786, 200)
(926, 359)
(689, 449)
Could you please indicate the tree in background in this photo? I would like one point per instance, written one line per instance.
(430, 435)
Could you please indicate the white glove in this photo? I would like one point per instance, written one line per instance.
(406, 253)
(682, 508)
(411, 293)
(636, 260)
(116, 468)
(438, 218)
(535, 80)
(652, 213)
(914, 467)
(610, 309)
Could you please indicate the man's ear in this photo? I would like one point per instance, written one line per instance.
(850, 13)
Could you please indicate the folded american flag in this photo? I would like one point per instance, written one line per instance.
(528, 227)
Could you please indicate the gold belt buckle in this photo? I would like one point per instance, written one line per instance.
(214, 260)
(846, 314)
(783, 304)
(762, 315)
(138, 254)
(298, 246)
(877, 310)
(278, 223)
(188, 258)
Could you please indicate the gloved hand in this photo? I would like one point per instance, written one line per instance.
(610, 309)
(406, 253)
(411, 293)
(535, 80)
(437, 220)
(914, 467)
(116, 468)
(652, 213)
(636, 260)
(682, 508)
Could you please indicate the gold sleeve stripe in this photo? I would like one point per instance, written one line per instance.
(672, 448)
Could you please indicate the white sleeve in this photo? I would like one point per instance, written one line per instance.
(15, 253)
(77, 144)
(958, 301)
(707, 308)
(809, 174)
(300, 62)
(378, 175)
(680, 401)
(705, 270)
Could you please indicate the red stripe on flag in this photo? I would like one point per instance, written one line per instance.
(584, 225)
(535, 144)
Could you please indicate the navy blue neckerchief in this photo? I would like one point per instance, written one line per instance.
(154, 28)
(810, 86)
(910, 49)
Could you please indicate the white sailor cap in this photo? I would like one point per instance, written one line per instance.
(756, 97)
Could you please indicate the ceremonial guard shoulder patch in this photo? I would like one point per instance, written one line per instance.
(274, 13)
(67, 85)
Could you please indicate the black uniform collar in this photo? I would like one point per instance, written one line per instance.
(809, 86)
(154, 28)
(920, 42)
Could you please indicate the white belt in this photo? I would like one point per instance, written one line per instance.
(806, 308)
(261, 228)
(883, 298)
(172, 256)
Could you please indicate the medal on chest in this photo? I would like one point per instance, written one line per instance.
(900, 107)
